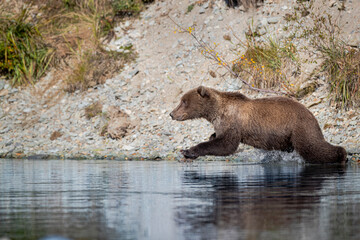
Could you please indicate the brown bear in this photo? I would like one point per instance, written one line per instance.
(276, 123)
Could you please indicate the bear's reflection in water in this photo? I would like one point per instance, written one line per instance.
(225, 205)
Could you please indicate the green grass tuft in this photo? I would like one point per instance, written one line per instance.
(127, 7)
(342, 66)
(24, 56)
(190, 7)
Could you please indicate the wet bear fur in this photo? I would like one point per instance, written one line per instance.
(276, 123)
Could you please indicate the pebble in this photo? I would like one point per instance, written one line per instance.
(27, 110)
(273, 20)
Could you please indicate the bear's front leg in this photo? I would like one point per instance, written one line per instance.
(217, 147)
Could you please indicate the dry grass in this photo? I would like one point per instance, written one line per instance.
(267, 64)
(342, 67)
(93, 110)
(339, 62)
(93, 68)
(55, 135)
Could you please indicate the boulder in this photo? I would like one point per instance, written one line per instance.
(118, 124)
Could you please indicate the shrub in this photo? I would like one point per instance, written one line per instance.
(93, 110)
(267, 62)
(342, 66)
(190, 7)
(340, 63)
(127, 7)
(93, 68)
(24, 56)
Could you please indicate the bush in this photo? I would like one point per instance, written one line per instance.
(93, 68)
(340, 63)
(93, 110)
(342, 66)
(24, 56)
(127, 7)
(266, 63)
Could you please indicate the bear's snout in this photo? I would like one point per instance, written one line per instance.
(178, 116)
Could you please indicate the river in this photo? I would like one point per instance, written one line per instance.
(104, 199)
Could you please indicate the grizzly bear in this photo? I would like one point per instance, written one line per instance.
(276, 123)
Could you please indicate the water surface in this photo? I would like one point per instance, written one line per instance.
(100, 199)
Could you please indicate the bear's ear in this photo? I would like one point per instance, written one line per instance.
(203, 91)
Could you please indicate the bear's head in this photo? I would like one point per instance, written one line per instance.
(196, 103)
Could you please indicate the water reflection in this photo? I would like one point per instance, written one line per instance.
(270, 204)
(171, 200)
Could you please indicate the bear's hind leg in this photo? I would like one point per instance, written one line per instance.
(315, 149)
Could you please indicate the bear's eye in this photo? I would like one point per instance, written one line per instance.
(184, 102)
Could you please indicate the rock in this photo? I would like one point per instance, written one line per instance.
(123, 42)
(354, 39)
(8, 143)
(128, 23)
(132, 74)
(273, 20)
(128, 148)
(4, 92)
(202, 10)
(2, 84)
(332, 3)
(353, 123)
(7, 86)
(135, 35)
(147, 17)
(337, 139)
(353, 150)
(27, 110)
(119, 123)
(179, 63)
(208, 20)
(38, 157)
(83, 104)
(261, 31)
(206, 5)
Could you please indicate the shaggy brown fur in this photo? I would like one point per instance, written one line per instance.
(276, 123)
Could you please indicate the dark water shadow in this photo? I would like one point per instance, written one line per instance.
(263, 206)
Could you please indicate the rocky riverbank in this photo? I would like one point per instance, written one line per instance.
(42, 121)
